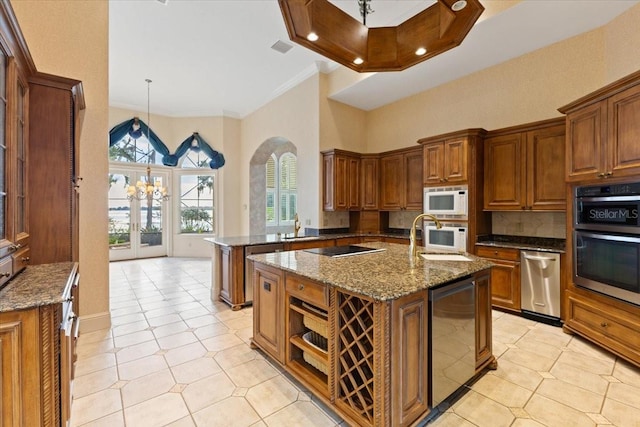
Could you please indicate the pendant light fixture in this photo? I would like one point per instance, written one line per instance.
(321, 26)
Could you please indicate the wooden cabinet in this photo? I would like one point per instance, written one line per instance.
(369, 182)
(54, 126)
(268, 311)
(230, 274)
(608, 322)
(484, 343)
(445, 162)
(37, 357)
(341, 180)
(505, 276)
(603, 129)
(401, 186)
(409, 347)
(524, 167)
(307, 244)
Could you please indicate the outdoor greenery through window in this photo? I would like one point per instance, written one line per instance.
(196, 195)
(131, 150)
(282, 189)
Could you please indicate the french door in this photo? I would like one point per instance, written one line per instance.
(137, 228)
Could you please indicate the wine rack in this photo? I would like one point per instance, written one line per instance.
(355, 354)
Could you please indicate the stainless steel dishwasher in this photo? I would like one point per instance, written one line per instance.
(540, 286)
(453, 338)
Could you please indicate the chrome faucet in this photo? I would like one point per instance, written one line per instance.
(296, 225)
(412, 234)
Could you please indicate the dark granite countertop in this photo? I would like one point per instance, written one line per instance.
(383, 276)
(265, 239)
(540, 244)
(37, 285)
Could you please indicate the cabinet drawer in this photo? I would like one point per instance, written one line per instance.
(21, 259)
(311, 292)
(6, 270)
(499, 253)
(615, 329)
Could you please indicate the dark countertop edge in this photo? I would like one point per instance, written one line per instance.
(37, 286)
(540, 244)
(479, 264)
(268, 239)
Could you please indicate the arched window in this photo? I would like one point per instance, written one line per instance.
(130, 142)
(281, 189)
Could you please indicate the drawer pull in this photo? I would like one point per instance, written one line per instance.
(300, 287)
(25, 259)
(266, 286)
(5, 274)
(604, 324)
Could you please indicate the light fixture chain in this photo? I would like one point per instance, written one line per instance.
(365, 9)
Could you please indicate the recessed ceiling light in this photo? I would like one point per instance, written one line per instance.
(421, 51)
(459, 5)
(358, 61)
(312, 37)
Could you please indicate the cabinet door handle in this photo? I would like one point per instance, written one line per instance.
(266, 286)
(25, 259)
(300, 287)
(5, 274)
(601, 175)
(604, 324)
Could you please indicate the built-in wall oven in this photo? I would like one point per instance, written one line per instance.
(606, 240)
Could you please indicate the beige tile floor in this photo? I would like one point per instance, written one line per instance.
(174, 358)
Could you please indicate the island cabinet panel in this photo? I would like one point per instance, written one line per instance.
(268, 310)
(505, 276)
(230, 275)
(484, 344)
(409, 351)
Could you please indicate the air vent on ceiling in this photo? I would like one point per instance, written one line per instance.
(163, 1)
(281, 46)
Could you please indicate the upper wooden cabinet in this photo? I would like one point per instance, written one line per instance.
(445, 162)
(369, 182)
(524, 167)
(603, 129)
(401, 184)
(341, 180)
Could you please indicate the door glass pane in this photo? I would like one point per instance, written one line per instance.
(21, 163)
(150, 222)
(119, 213)
(3, 144)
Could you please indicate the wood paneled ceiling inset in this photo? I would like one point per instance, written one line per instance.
(342, 38)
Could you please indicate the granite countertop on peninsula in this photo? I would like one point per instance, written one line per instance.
(265, 239)
(383, 276)
(540, 244)
(36, 285)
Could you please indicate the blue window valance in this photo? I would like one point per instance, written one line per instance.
(136, 128)
(196, 143)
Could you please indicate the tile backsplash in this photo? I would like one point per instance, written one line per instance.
(534, 224)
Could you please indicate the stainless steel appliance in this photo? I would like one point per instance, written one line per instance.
(540, 286)
(606, 240)
(342, 251)
(452, 332)
(446, 202)
(451, 236)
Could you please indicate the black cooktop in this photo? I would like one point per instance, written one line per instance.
(339, 251)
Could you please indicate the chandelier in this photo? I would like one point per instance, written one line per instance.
(326, 29)
(148, 190)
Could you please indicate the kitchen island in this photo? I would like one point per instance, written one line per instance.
(359, 330)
